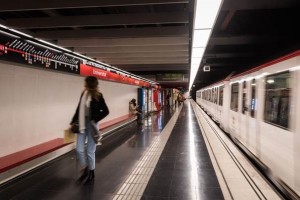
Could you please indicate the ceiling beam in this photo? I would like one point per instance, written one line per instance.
(258, 5)
(138, 59)
(138, 55)
(148, 61)
(17, 5)
(229, 55)
(98, 20)
(152, 41)
(115, 33)
(122, 49)
(227, 20)
(154, 67)
(243, 39)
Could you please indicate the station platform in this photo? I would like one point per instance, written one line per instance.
(179, 153)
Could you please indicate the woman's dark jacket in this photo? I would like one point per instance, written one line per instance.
(98, 108)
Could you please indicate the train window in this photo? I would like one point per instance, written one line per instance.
(277, 99)
(207, 95)
(234, 97)
(215, 95)
(212, 94)
(244, 98)
(221, 95)
(253, 99)
(216, 98)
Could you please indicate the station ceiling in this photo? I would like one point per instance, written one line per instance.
(151, 37)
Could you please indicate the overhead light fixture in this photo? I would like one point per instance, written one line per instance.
(201, 37)
(196, 61)
(206, 12)
(41, 45)
(206, 68)
(9, 34)
(198, 52)
(21, 33)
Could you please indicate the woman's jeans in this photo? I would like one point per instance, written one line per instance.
(88, 160)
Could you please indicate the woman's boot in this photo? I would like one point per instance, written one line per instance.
(90, 177)
(84, 173)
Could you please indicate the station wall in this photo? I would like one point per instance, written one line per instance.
(37, 105)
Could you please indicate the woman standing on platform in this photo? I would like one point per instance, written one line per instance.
(91, 109)
(134, 109)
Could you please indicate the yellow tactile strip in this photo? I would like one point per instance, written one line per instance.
(137, 180)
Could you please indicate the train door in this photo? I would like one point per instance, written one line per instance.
(218, 108)
(220, 104)
(234, 109)
(225, 103)
(243, 122)
(252, 118)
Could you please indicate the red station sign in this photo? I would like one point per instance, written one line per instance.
(86, 70)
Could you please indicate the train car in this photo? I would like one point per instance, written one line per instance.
(260, 109)
(214, 100)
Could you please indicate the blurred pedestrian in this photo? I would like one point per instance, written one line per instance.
(90, 110)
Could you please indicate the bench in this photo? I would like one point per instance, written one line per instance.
(19, 158)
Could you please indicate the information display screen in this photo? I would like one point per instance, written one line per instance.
(19, 50)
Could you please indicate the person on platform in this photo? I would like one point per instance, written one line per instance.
(91, 109)
(135, 110)
(168, 99)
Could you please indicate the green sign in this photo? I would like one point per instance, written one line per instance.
(170, 77)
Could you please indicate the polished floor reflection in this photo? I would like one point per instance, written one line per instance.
(114, 162)
(184, 170)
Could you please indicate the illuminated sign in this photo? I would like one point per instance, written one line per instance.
(170, 77)
(86, 70)
(18, 50)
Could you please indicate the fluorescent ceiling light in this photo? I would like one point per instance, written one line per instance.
(11, 35)
(196, 61)
(2, 26)
(206, 13)
(200, 37)
(193, 73)
(21, 33)
(41, 45)
(198, 52)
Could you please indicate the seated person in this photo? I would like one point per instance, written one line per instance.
(134, 109)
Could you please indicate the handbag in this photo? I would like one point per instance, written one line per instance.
(69, 136)
(75, 127)
(95, 132)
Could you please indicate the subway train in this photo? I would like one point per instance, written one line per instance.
(260, 111)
